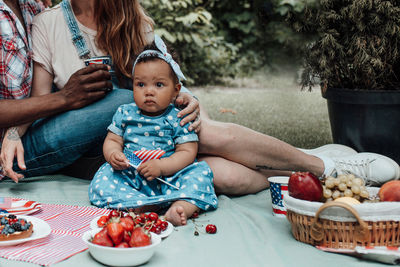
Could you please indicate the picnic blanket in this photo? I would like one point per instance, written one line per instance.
(248, 235)
(67, 223)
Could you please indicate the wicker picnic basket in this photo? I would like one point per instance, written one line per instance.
(339, 225)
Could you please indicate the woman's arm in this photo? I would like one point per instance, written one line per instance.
(184, 155)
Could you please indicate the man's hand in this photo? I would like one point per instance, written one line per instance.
(87, 85)
(150, 169)
(118, 161)
(192, 108)
(11, 147)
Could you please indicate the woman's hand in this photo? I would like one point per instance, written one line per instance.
(118, 161)
(12, 147)
(192, 108)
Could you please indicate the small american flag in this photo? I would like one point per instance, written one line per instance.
(277, 192)
(139, 156)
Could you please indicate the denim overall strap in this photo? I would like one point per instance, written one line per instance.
(77, 37)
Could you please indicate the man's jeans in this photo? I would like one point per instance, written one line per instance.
(55, 142)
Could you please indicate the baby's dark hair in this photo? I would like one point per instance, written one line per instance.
(151, 57)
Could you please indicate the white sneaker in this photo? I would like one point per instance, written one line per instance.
(330, 150)
(374, 168)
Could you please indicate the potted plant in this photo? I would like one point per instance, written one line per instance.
(355, 56)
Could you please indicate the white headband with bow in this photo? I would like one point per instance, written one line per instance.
(164, 55)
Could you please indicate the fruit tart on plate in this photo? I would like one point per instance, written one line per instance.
(12, 228)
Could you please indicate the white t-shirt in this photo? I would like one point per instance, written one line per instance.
(53, 47)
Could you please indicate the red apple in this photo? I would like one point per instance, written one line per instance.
(306, 186)
(390, 191)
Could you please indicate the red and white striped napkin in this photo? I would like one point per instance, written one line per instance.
(67, 223)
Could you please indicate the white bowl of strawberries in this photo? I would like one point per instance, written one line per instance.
(114, 246)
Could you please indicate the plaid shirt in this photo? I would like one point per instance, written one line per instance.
(16, 51)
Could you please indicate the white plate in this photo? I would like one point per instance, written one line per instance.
(23, 207)
(163, 234)
(41, 229)
(168, 231)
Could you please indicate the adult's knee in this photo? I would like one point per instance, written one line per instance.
(95, 118)
(103, 110)
(226, 179)
(80, 127)
(215, 134)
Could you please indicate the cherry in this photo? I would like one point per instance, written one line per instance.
(195, 215)
(211, 229)
(164, 225)
(114, 213)
(140, 220)
(152, 216)
(158, 223)
(156, 230)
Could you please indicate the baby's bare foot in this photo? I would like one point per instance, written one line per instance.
(176, 215)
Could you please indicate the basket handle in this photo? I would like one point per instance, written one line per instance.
(361, 233)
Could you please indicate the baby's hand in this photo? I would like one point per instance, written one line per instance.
(150, 169)
(118, 161)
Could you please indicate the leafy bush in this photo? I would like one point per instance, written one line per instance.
(356, 46)
(188, 27)
(258, 28)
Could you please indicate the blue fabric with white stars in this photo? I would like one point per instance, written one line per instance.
(276, 194)
(127, 189)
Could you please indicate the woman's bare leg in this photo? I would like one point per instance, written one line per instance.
(250, 157)
(253, 149)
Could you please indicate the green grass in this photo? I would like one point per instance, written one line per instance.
(275, 106)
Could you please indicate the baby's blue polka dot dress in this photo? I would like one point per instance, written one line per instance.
(127, 189)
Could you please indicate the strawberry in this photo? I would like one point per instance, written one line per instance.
(102, 239)
(127, 236)
(102, 221)
(123, 245)
(139, 238)
(127, 222)
(115, 232)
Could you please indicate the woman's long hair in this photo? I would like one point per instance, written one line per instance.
(121, 31)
